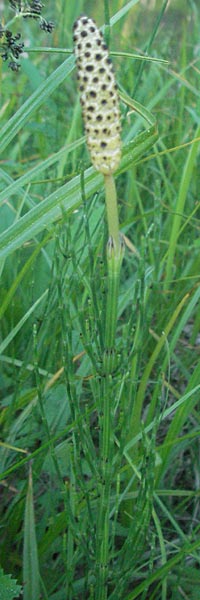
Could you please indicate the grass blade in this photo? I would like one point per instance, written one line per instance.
(30, 556)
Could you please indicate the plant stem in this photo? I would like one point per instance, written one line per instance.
(112, 211)
(114, 261)
(104, 498)
(115, 252)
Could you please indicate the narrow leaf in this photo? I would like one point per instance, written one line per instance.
(31, 575)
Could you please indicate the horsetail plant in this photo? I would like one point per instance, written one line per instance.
(101, 115)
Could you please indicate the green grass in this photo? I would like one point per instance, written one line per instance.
(100, 440)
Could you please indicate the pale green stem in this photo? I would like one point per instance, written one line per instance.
(115, 252)
(114, 261)
(112, 211)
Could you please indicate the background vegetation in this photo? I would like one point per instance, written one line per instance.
(56, 383)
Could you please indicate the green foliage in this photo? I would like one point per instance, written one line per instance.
(100, 380)
(8, 587)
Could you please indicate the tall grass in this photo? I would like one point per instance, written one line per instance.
(100, 378)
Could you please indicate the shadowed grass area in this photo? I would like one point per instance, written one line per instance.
(100, 375)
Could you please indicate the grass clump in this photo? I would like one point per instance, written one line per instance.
(100, 358)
